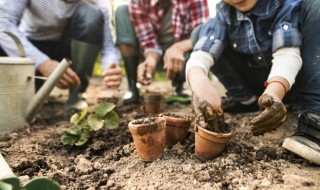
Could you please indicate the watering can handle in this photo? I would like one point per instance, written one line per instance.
(21, 51)
(37, 101)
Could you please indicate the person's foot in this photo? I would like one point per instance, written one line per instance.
(131, 98)
(76, 102)
(180, 91)
(180, 95)
(306, 141)
(231, 105)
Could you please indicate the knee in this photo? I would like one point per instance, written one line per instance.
(89, 15)
(122, 14)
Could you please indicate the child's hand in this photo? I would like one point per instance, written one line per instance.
(272, 117)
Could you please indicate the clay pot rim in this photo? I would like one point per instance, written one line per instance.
(153, 94)
(213, 136)
(177, 121)
(135, 127)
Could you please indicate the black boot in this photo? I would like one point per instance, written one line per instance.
(177, 84)
(132, 96)
(83, 57)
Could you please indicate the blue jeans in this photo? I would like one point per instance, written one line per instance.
(242, 81)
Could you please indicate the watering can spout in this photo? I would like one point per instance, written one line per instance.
(37, 101)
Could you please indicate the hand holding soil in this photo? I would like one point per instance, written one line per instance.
(207, 116)
(145, 71)
(272, 117)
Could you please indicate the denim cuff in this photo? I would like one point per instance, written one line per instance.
(286, 38)
(211, 45)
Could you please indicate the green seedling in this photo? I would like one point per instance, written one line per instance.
(42, 183)
(83, 127)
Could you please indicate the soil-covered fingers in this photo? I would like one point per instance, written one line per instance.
(263, 129)
(271, 118)
(144, 74)
(265, 100)
(275, 112)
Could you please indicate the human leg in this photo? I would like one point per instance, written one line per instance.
(242, 82)
(306, 140)
(129, 48)
(83, 39)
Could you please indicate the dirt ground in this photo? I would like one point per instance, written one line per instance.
(110, 161)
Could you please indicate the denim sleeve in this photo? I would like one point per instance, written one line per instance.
(213, 36)
(286, 31)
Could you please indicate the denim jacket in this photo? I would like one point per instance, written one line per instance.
(270, 25)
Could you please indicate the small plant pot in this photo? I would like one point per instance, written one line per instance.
(176, 128)
(149, 137)
(153, 102)
(208, 144)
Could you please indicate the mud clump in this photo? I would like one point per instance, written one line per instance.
(210, 118)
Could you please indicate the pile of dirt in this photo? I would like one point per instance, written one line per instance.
(109, 160)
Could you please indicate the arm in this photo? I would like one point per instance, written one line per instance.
(138, 10)
(286, 65)
(10, 15)
(110, 54)
(197, 70)
(174, 56)
(11, 12)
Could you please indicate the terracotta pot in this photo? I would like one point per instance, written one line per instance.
(149, 137)
(176, 128)
(208, 144)
(153, 102)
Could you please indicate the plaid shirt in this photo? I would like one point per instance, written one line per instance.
(146, 18)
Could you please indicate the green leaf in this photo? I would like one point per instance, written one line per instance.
(68, 139)
(5, 186)
(42, 184)
(83, 113)
(75, 119)
(95, 122)
(13, 182)
(83, 138)
(111, 120)
(74, 130)
(103, 109)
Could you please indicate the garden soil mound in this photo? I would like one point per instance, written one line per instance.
(109, 160)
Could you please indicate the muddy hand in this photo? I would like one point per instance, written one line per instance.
(272, 116)
(210, 117)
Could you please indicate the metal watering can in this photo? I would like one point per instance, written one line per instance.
(18, 101)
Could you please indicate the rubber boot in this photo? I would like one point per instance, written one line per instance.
(83, 57)
(132, 96)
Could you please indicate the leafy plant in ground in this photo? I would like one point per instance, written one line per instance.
(13, 183)
(83, 127)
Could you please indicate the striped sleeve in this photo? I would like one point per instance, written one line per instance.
(11, 12)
